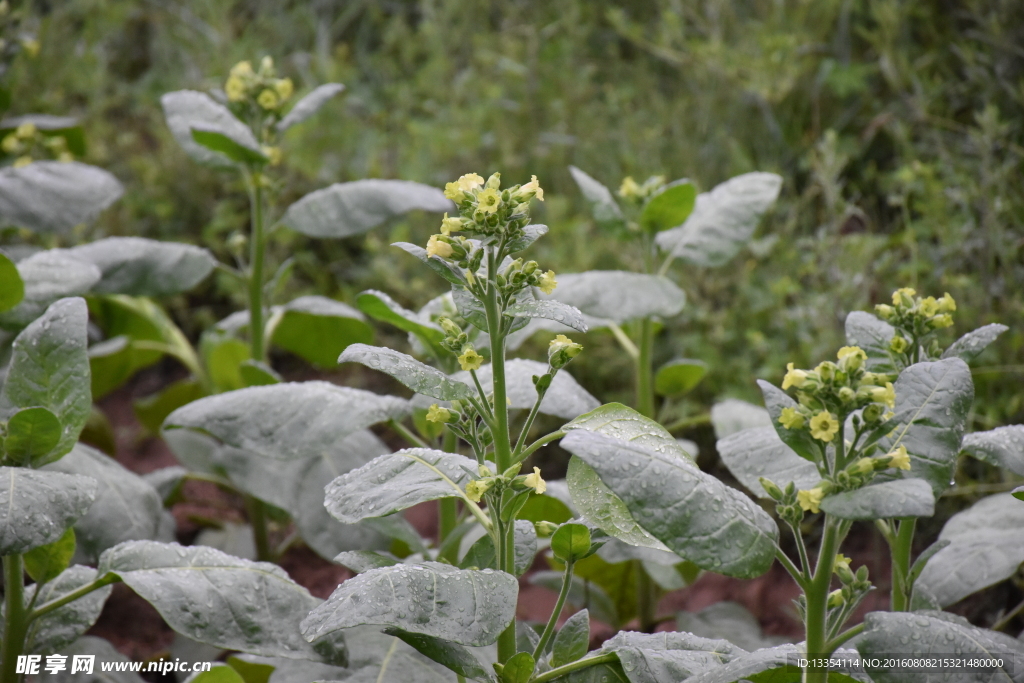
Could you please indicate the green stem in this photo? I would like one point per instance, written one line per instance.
(1008, 617)
(901, 549)
(844, 636)
(507, 640)
(448, 508)
(565, 669)
(817, 601)
(797, 575)
(549, 629)
(256, 510)
(408, 435)
(539, 443)
(257, 246)
(15, 617)
(528, 425)
(45, 609)
(687, 422)
(646, 599)
(645, 370)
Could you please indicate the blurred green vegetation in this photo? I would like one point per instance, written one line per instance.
(897, 126)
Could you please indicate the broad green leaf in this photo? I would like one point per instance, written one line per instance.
(573, 639)
(692, 513)
(670, 207)
(546, 508)
(565, 398)
(727, 621)
(733, 415)
(679, 376)
(800, 440)
(571, 542)
(448, 271)
(46, 562)
(380, 306)
(531, 233)
(930, 633)
(220, 143)
(287, 421)
(932, 400)
(126, 506)
(12, 288)
(47, 277)
(519, 668)
(723, 220)
(223, 356)
(379, 658)
(986, 545)
(619, 295)
(970, 346)
(49, 368)
(625, 424)
(32, 434)
(569, 316)
(397, 481)
(464, 606)
(309, 105)
(754, 453)
(251, 672)
(103, 651)
(361, 561)
(582, 594)
(186, 110)
(482, 555)
(603, 205)
(451, 655)
(890, 499)
(1001, 447)
(214, 598)
(873, 336)
(52, 197)
(346, 209)
(256, 373)
(61, 627)
(143, 267)
(36, 507)
(218, 673)
(318, 329)
(1018, 493)
(668, 656)
(152, 410)
(773, 665)
(606, 672)
(409, 371)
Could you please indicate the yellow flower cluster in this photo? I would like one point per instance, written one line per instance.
(27, 143)
(914, 316)
(262, 86)
(633, 191)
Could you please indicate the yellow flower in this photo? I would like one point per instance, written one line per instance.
(899, 458)
(476, 488)
(532, 189)
(548, 282)
(791, 418)
(535, 481)
(21, 162)
(629, 188)
(267, 64)
(941, 321)
(438, 414)
(899, 294)
(470, 359)
(929, 307)
(26, 130)
(946, 303)
(810, 500)
(469, 182)
(824, 426)
(561, 350)
(864, 466)
(826, 370)
(438, 247)
(793, 378)
(267, 99)
(242, 70)
(284, 88)
(235, 89)
(851, 358)
(898, 344)
(488, 200)
(450, 225)
(836, 599)
(11, 144)
(886, 395)
(273, 154)
(841, 561)
(453, 192)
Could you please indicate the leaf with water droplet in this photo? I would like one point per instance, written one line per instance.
(417, 376)
(970, 346)
(1001, 447)
(37, 507)
(617, 296)
(58, 629)
(142, 267)
(873, 336)
(668, 656)
(626, 424)
(565, 314)
(754, 453)
(885, 500)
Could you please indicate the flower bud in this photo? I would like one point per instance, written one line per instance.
(863, 466)
(494, 182)
(898, 344)
(851, 358)
(442, 415)
(771, 488)
(449, 327)
(884, 311)
(476, 488)
(872, 413)
(836, 599)
(561, 350)
(847, 395)
(904, 297)
(545, 529)
(826, 370)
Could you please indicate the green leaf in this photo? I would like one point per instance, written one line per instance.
(256, 373)
(800, 440)
(223, 356)
(873, 336)
(186, 110)
(1001, 447)
(397, 481)
(571, 542)
(625, 424)
(1018, 493)
(222, 144)
(602, 204)
(361, 561)
(727, 621)
(573, 639)
(519, 668)
(531, 233)
(47, 277)
(44, 563)
(887, 500)
(143, 267)
(771, 665)
(659, 657)
(32, 434)
(218, 673)
(464, 606)
(679, 376)
(309, 105)
(754, 453)
(582, 593)
(448, 271)
(670, 207)
(986, 545)
(12, 288)
(569, 316)
(733, 415)
(545, 508)
(932, 400)
(318, 329)
(103, 651)
(215, 598)
(67, 127)
(52, 197)
(49, 368)
(346, 209)
(290, 420)
(970, 346)
(36, 507)
(417, 376)
(935, 634)
(619, 295)
(380, 306)
(57, 630)
(481, 555)
(723, 220)
(565, 398)
(251, 672)
(444, 652)
(692, 513)
(152, 410)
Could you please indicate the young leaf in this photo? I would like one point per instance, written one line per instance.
(970, 346)
(36, 507)
(309, 105)
(887, 500)
(670, 207)
(52, 197)
(679, 376)
(754, 453)
(625, 424)
(717, 528)
(873, 336)
(318, 329)
(186, 110)
(1018, 493)
(1002, 447)
(409, 371)
(47, 277)
(723, 220)
(464, 606)
(619, 295)
(571, 542)
(800, 440)
(606, 210)
(346, 209)
(143, 267)
(256, 373)
(12, 288)
(573, 639)
(32, 433)
(44, 563)
(659, 657)
(218, 142)
(569, 316)
(519, 668)
(444, 652)
(55, 631)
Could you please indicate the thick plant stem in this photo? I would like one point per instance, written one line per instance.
(645, 370)
(646, 599)
(502, 441)
(901, 548)
(506, 556)
(257, 252)
(15, 618)
(256, 510)
(816, 623)
(549, 629)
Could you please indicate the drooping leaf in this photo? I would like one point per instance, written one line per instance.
(12, 288)
(55, 631)
(448, 271)
(567, 315)
(531, 233)
(46, 562)
(219, 143)
(52, 197)
(679, 376)
(380, 306)
(47, 277)
(733, 415)
(143, 267)
(290, 420)
(215, 598)
(670, 207)
(723, 220)
(1001, 447)
(1018, 493)
(186, 110)
(49, 368)
(573, 639)
(565, 398)
(396, 481)
(626, 424)
(800, 440)
(754, 453)
(36, 507)
(605, 672)
(309, 105)
(32, 434)
(619, 295)
(346, 209)
(451, 655)
(605, 209)
(986, 545)
(318, 329)
(889, 499)
(668, 656)
(409, 371)
(873, 336)
(464, 606)
(152, 410)
(728, 621)
(970, 346)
